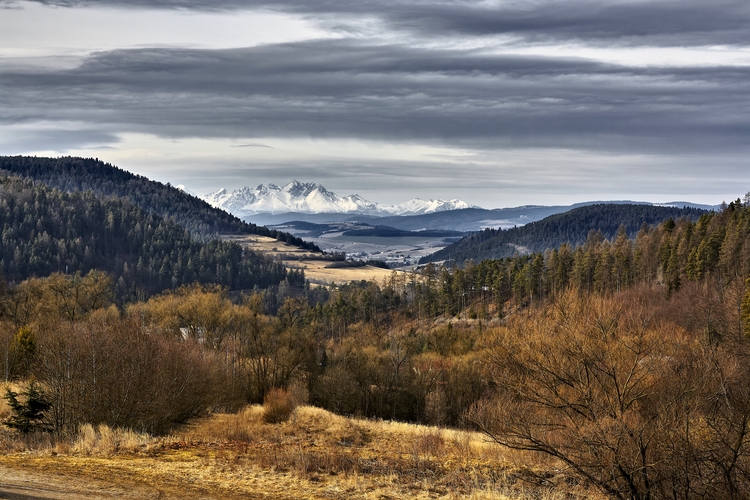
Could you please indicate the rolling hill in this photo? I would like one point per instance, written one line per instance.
(45, 230)
(71, 174)
(572, 227)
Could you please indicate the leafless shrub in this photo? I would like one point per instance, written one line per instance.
(110, 372)
(278, 406)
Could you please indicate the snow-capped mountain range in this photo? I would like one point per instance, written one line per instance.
(312, 198)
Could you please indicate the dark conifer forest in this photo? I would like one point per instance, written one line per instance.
(47, 231)
(601, 221)
(103, 179)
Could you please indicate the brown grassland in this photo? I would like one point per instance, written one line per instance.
(314, 454)
(315, 270)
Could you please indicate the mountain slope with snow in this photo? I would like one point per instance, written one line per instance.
(313, 198)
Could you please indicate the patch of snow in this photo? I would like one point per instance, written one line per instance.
(182, 188)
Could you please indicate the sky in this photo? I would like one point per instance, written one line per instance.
(499, 102)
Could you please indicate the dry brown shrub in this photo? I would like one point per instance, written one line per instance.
(110, 372)
(429, 444)
(245, 425)
(591, 380)
(105, 441)
(278, 406)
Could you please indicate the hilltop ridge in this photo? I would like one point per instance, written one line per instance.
(71, 174)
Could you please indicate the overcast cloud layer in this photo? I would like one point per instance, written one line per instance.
(673, 22)
(498, 103)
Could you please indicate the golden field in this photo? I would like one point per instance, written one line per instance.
(313, 455)
(315, 270)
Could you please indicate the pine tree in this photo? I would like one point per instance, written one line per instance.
(29, 415)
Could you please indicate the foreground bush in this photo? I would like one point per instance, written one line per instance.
(278, 406)
(110, 371)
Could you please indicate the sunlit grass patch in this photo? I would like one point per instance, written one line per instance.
(313, 454)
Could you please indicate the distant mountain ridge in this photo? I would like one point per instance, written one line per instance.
(313, 198)
(463, 220)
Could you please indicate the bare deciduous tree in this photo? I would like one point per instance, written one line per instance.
(637, 408)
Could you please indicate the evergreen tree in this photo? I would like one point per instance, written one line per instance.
(28, 414)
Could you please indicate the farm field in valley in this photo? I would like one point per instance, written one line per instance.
(315, 268)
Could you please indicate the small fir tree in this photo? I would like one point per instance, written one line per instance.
(28, 415)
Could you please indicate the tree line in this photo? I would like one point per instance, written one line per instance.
(571, 227)
(45, 231)
(70, 174)
(717, 244)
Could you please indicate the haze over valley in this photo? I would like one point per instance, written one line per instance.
(399, 235)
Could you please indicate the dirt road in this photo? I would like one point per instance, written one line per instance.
(19, 484)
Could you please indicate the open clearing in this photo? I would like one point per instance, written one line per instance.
(399, 251)
(314, 455)
(315, 269)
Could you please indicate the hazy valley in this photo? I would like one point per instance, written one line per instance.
(400, 235)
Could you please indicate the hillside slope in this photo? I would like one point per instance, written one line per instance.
(45, 230)
(572, 227)
(71, 174)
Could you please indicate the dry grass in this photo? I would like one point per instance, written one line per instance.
(314, 454)
(104, 441)
(317, 273)
(315, 270)
(376, 459)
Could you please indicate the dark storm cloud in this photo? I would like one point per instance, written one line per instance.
(343, 89)
(657, 22)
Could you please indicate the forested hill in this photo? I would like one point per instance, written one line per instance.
(573, 227)
(83, 174)
(46, 230)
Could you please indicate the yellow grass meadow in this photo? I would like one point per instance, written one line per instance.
(315, 270)
(313, 455)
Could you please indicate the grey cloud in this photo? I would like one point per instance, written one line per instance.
(655, 22)
(339, 88)
(59, 140)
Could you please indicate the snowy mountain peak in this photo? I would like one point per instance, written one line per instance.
(217, 198)
(418, 206)
(262, 188)
(313, 198)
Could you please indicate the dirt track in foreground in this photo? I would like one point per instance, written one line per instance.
(169, 477)
(20, 484)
